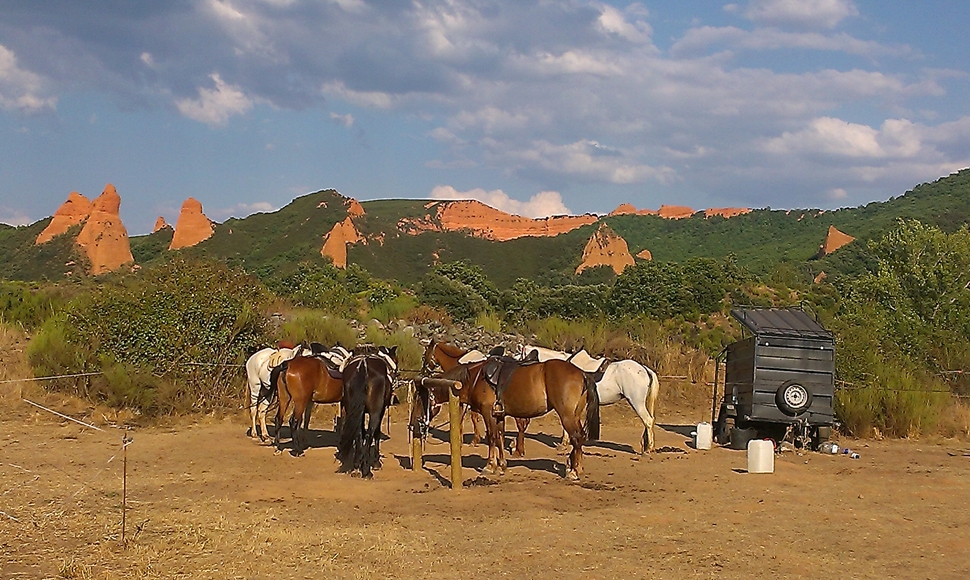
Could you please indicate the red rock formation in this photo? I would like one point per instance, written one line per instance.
(606, 248)
(645, 254)
(103, 237)
(820, 277)
(624, 209)
(75, 210)
(834, 240)
(487, 222)
(726, 212)
(354, 209)
(192, 226)
(160, 223)
(335, 242)
(675, 212)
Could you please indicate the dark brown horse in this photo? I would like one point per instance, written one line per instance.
(368, 388)
(533, 391)
(303, 381)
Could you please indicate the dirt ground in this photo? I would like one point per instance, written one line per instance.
(206, 502)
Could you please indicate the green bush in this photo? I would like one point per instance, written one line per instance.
(148, 333)
(322, 287)
(459, 300)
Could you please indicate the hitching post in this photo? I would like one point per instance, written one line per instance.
(454, 419)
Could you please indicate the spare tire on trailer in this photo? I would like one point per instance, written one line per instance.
(793, 398)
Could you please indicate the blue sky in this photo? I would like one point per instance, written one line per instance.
(537, 107)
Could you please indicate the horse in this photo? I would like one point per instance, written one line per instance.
(303, 381)
(445, 356)
(259, 368)
(624, 379)
(532, 391)
(368, 387)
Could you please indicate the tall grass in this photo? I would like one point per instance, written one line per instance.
(409, 350)
(393, 309)
(315, 326)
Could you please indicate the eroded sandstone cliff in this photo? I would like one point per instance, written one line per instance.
(834, 240)
(192, 226)
(606, 248)
(104, 238)
(487, 222)
(336, 240)
(75, 210)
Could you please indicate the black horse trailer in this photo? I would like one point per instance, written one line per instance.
(778, 382)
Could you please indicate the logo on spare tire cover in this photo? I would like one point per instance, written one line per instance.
(793, 398)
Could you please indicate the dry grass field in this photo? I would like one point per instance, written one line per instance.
(206, 502)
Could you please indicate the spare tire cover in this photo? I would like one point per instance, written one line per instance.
(793, 398)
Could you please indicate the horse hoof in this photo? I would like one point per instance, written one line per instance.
(278, 452)
(571, 475)
(562, 450)
(518, 454)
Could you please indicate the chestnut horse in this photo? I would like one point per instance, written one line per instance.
(533, 391)
(443, 356)
(368, 388)
(303, 381)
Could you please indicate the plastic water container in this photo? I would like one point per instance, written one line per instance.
(703, 436)
(761, 456)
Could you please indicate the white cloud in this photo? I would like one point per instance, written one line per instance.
(21, 90)
(613, 21)
(698, 40)
(897, 138)
(241, 210)
(215, 106)
(148, 59)
(344, 120)
(13, 217)
(801, 13)
(587, 159)
(542, 204)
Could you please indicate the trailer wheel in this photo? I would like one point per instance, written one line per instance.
(793, 398)
(722, 429)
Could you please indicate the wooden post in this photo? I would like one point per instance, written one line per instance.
(417, 459)
(454, 419)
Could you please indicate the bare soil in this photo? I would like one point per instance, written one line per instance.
(206, 502)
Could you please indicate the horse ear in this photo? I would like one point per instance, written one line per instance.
(393, 352)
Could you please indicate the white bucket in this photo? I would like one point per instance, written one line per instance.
(761, 456)
(703, 436)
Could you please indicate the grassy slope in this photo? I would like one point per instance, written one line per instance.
(22, 259)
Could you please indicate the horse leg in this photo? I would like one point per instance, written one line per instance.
(563, 446)
(521, 425)
(491, 466)
(573, 426)
(500, 443)
(377, 442)
(477, 426)
(262, 411)
(648, 421)
(305, 428)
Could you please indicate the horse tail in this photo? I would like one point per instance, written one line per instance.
(654, 392)
(269, 392)
(592, 408)
(355, 402)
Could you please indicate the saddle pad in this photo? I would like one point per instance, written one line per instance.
(277, 358)
(545, 353)
(585, 362)
(472, 356)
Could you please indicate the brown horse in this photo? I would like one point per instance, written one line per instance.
(303, 381)
(533, 391)
(444, 356)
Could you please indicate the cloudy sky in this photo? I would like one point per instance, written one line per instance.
(536, 107)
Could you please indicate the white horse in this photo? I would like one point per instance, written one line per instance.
(625, 379)
(630, 380)
(258, 369)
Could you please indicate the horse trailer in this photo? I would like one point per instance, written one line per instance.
(778, 381)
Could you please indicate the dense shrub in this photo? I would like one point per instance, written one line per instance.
(316, 326)
(663, 290)
(322, 287)
(461, 301)
(148, 332)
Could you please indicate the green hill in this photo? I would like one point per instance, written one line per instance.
(272, 243)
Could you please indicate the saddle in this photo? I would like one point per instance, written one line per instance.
(498, 370)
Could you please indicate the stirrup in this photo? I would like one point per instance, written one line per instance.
(498, 409)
